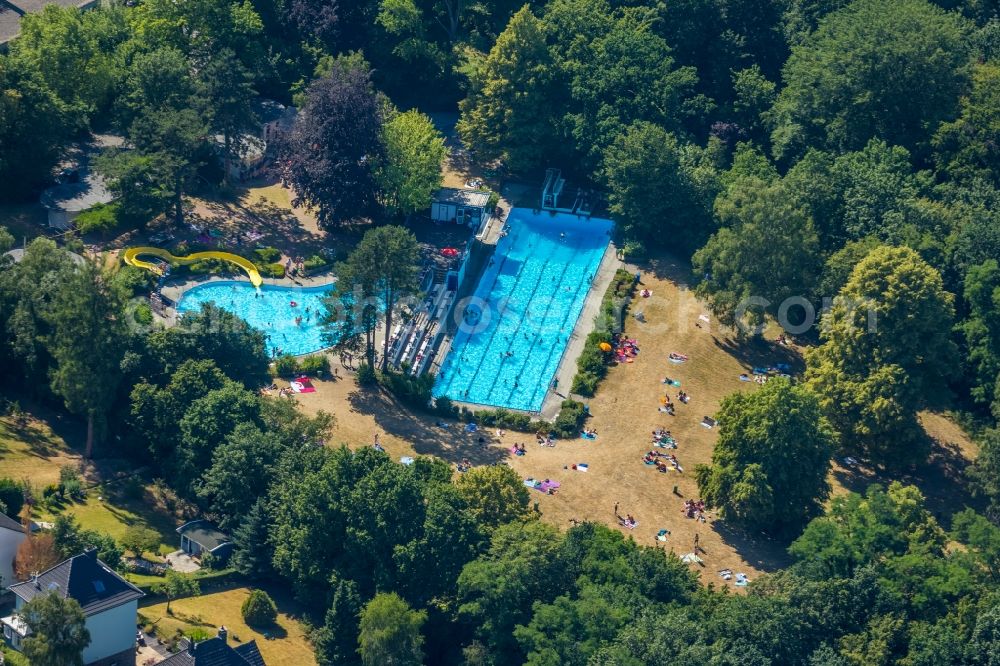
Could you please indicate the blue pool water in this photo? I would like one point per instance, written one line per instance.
(272, 312)
(524, 310)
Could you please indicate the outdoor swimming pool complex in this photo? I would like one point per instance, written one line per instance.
(271, 311)
(524, 310)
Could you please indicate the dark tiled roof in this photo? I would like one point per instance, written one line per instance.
(10, 523)
(204, 534)
(216, 652)
(84, 578)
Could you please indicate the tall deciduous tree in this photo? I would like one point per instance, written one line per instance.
(506, 114)
(389, 632)
(380, 270)
(766, 252)
(982, 333)
(411, 169)
(87, 345)
(58, 631)
(966, 147)
(886, 346)
(844, 84)
(661, 190)
(335, 143)
(770, 464)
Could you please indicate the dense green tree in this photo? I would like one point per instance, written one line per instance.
(206, 423)
(661, 189)
(70, 539)
(860, 530)
(253, 552)
(494, 495)
(155, 79)
(411, 172)
(766, 252)
(839, 266)
(389, 632)
(497, 590)
(770, 464)
(227, 93)
(844, 84)
(505, 114)
(176, 140)
(381, 270)
(965, 148)
(337, 640)
(34, 126)
(871, 372)
(140, 539)
(11, 496)
(58, 631)
(71, 51)
(241, 471)
(87, 333)
(985, 472)
(981, 330)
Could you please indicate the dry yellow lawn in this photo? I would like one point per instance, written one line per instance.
(209, 611)
(624, 412)
(33, 451)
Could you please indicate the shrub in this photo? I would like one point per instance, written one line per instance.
(11, 496)
(591, 366)
(259, 609)
(133, 279)
(445, 407)
(100, 218)
(268, 255)
(317, 364)
(585, 383)
(209, 561)
(634, 251)
(276, 270)
(504, 418)
(570, 419)
(315, 263)
(142, 314)
(73, 488)
(413, 391)
(285, 365)
(366, 375)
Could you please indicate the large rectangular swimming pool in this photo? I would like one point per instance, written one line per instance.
(518, 323)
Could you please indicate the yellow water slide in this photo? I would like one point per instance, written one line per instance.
(131, 258)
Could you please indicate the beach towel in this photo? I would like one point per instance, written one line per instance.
(302, 385)
(709, 422)
(547, 486)
(704, 318)
(531, 483)
(586, 435)
(677, 358)
(741, 580)
(406, 460)
(631, 526)
(472, 427)
(662, 535)
(672, 382)
(727, 574)
(581, 467)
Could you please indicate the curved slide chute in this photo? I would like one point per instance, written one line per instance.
(131, 258)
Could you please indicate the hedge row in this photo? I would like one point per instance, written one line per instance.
(287, 365)
(592, 365)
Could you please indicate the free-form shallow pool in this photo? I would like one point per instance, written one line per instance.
(271, 311)
(524, 310)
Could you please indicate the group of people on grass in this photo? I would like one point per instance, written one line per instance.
(694, 509)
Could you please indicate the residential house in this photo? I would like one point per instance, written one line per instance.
(12, 11)
(216, 652)
(11, 536)
(257, 151)
(200, 536)
(109, 603)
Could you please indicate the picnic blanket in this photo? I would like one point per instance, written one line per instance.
(677, 358)
(662, 535)
(709, 422)
(581, 467)
(587, 435)
(542, 486)
(302, 385)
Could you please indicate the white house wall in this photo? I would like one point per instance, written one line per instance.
(111, 631)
